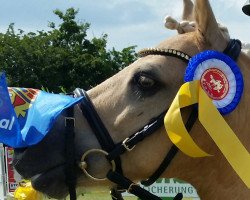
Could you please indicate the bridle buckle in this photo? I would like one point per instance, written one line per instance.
(126, 146)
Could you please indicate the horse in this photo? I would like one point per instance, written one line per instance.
(128, 101)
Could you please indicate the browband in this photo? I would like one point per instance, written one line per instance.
(165, 52)
(233, 50)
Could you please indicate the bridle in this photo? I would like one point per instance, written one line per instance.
(113, 151)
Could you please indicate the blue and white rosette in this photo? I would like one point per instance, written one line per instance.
(220, 77)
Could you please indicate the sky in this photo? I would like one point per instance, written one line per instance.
(127, 22)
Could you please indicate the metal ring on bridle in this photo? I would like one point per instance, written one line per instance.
(83, 164)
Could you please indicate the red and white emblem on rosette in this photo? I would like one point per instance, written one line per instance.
(215, 83)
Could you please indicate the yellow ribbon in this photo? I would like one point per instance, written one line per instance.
(218, 129)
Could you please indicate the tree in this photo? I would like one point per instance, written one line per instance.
(60, 57)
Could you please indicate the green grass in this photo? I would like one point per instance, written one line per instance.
(101, 196)
(97, 196)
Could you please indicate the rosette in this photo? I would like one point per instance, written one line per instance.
(220, 77)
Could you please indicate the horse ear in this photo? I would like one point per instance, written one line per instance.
(208, 33)
(187, 14)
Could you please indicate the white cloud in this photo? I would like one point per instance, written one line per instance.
(142, 35)
(227, 12)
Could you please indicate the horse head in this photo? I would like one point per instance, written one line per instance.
(127, 102)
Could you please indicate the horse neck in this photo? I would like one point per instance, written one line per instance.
(239, 119)
(212, 176)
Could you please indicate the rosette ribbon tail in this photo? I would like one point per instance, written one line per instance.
(174, 125)
(215, 125)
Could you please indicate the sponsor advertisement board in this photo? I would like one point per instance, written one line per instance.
(167, 189)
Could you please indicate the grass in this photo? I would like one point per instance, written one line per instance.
(101, 196)
(96, 196)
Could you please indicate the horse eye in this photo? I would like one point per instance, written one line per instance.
(144, 82)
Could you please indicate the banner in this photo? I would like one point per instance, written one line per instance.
(23, 109)
(9, 127)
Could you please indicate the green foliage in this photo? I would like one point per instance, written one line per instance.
(62, 57)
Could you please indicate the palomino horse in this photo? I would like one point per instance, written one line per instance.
(129, 100)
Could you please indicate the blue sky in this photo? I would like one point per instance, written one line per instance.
(127, 22)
